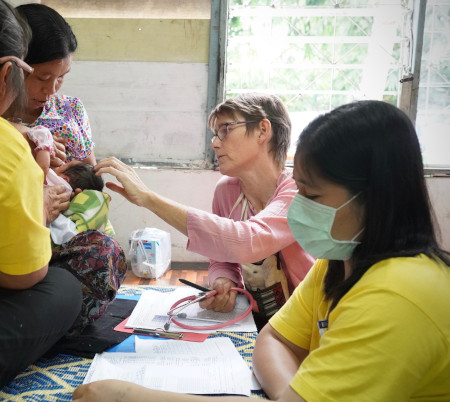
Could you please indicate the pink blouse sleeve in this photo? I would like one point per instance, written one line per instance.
(227, 242)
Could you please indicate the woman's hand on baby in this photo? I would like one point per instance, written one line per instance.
(132, 187)
(59, 157)
(56, 200)
(225, 298)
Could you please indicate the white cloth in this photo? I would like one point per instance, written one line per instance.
(62, 229)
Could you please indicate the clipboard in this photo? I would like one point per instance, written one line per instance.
(186, 336)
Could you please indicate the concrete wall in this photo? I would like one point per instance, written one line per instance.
(144, 111)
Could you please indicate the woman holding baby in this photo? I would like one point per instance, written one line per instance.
(50, 54)
(58, 129)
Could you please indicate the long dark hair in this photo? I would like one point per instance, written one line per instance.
(371, 148)
(52, 39)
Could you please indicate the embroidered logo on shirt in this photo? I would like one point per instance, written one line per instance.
(323, 325)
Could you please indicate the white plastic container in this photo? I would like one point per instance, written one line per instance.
(150, 252)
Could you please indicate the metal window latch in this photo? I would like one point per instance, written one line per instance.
(406, 79)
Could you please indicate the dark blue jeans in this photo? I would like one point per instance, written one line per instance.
(33, 320)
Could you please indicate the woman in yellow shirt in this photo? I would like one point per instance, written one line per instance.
(38, 303)
(370, 321)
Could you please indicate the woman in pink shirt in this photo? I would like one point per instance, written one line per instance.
(248, 223)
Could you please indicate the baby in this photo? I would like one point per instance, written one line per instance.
(76, 175)
(89, 205)
(88, 208)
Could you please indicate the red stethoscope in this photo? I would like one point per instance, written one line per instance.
(181, 304)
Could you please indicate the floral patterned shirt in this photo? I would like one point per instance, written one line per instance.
(65, 116)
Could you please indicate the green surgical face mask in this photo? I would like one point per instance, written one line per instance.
(311, 223)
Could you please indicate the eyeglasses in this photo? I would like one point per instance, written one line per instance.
(223, 130)
(19, 62)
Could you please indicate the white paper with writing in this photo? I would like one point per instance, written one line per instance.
(210, 367)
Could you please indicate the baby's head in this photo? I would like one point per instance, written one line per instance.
(81, 175)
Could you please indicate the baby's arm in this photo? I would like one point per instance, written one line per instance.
(42, 158)
(43, 140)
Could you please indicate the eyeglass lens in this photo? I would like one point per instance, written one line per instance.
(223, 131)
(224, 128)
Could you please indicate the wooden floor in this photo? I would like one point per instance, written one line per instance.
(170, 278)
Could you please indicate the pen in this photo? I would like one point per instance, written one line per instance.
(159, 334)
(194, 285)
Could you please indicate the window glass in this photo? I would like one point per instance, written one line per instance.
(316, 55)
